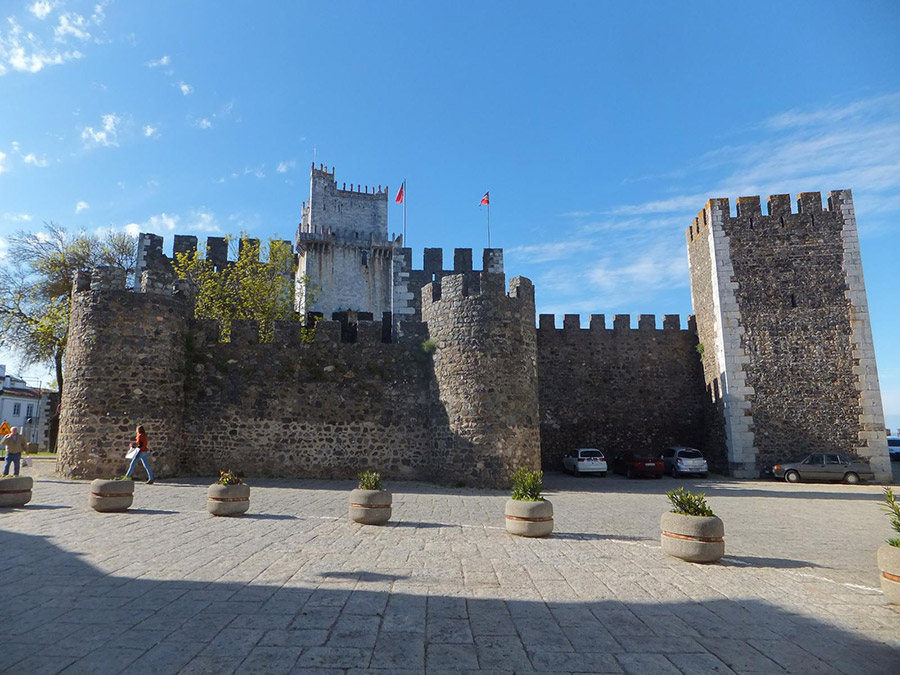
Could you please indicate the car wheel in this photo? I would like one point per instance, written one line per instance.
(675, 472)
(629, 474)
(792, 477)
(602, 474)
(851, 478)
(659, 475)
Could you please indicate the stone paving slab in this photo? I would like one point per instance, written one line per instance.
(294, 587)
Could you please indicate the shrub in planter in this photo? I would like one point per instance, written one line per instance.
(691, 531)
(370, 503)
(228, 496)
(527, 513)
(15, 490)
(888, 555)
(111, 495)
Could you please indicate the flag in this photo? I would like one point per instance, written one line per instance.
(400, 195)
(486, 199)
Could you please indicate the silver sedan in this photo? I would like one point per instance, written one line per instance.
(825, 467)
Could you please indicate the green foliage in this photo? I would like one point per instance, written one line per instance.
(527, 485)
(36, 283)
(123, 478)
(688, 504)
(892, 508)
(428, 346)
(245, 288)
(229, 478)
(370, 480)
(700, 349)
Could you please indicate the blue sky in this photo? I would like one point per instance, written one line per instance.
(600, 128)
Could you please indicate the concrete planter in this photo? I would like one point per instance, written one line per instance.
(889, 563)
(370, 507)
(692, 538)
(228, 500)
(15, 491)
(111, 495)
(529, 519)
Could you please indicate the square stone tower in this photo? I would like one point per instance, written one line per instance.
(343, 248)
(784, 332)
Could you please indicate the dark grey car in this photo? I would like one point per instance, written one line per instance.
(825, 467)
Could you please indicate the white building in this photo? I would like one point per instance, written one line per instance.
(25, 407)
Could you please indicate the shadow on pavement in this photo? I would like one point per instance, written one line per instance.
(368, 577)
(774, 563)
(65, 616)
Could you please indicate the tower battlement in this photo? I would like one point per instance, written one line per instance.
(621, 323)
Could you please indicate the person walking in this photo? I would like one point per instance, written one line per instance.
(140, 444)
(15, 444)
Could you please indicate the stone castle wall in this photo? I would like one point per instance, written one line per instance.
(124, 366)
(485, 365)
(779, 323)
(320, 409)
(620, 388)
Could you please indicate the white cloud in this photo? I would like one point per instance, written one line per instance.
(162, 61)
(151, 132)
(197, 220)
(202, 221)
(41, 9)
(81, 206)
(133, 229)
(204, 123)
(107, 136)
(283, 167)
(74, 25)
(3, 246)
(30, 158)
(258, 171)
(186, 89)
(3, 162)
(24, 51)
(18, 217)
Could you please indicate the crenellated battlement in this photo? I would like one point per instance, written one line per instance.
(292, 333)
(477, 285)
(779, 213)
(621, 323)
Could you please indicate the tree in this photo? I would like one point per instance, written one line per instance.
(36, 284)
(246, 288)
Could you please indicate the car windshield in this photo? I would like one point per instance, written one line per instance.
(591, 453)
(690, 454)
(894, 442)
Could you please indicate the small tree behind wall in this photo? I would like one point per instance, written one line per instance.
(248, 288)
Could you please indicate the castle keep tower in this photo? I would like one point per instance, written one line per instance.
(343, 248)
(124, 367)
(783, 322)
(485, 421)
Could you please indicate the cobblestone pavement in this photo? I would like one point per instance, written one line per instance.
(294, 587)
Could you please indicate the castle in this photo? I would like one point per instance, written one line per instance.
(442, 375)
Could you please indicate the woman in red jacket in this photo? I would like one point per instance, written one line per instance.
(140, 442)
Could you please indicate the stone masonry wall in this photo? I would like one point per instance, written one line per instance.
(485, 386)
(620, 388)
(321, 410)
(124, 366)
(792, 319)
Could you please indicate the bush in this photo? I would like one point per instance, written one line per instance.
(688, 504)
(527, 485)
(428, 346)
(892, 508)
(370, 480)
(229, 478)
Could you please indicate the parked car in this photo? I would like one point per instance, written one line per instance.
(894, 448)
(633, 464)
(585, 460)
(825, 467)
(679, 460)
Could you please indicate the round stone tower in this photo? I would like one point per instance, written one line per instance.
(124, 366)
(485, 406)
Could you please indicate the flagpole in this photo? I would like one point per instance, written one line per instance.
(489, 222)
(405, 197)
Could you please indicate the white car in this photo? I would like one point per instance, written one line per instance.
(585, 460)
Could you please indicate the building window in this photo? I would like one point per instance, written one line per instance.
(17, 409)
(29, 410)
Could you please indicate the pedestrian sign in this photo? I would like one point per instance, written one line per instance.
(4, 429)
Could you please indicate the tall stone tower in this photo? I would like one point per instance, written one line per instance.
(343, 248)
(486, 421)
(783, 325)
(124, 367)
